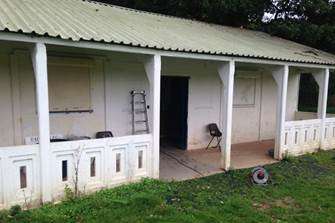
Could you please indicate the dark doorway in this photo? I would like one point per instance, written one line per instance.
(174, 111)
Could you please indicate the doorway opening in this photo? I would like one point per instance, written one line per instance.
(174, 111)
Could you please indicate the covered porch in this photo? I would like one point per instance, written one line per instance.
(55, 101)
(58, 97)
(176, 164)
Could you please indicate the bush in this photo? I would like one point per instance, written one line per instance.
(15, 210)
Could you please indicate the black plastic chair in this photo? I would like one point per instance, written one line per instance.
(105, 134)
(215, 133)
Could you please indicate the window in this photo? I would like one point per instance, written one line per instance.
(140, 159)
(296, 137)
(118, 163)
(245, 91)
(69, 85)
(64, 171)
(23, 177)
(92, 167)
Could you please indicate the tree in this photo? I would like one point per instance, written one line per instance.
(225, 12)
(305, 21)
(310, 22)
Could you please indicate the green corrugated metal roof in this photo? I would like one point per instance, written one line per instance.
(83, 20)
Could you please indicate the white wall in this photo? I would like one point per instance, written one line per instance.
(204, 96)
(85, 124)
(127, 74)
(80, 124)
(268, 109)
(250, 123)
(246, 116)
(6, 118)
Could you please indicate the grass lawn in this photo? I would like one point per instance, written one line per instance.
(301, 190)
(330, 109)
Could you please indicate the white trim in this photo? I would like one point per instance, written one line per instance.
(128, 49)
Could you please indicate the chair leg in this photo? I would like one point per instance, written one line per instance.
(219, 141)
(210, 143)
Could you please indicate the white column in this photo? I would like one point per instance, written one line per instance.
(281, 77)
(227, 73)
(39, 59)
(153, 70)
(322, 78)
(108, 94)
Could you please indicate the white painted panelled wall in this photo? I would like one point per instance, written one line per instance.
(102, 163)
(304, 136)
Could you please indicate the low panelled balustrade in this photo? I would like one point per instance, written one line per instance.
(301, 136)
(329, 140)
(89, 165)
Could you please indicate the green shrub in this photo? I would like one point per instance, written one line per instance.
(15, 210)
(69, 194)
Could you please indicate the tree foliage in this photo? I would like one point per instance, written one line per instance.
(310, 22)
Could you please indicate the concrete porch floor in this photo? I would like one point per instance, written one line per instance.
(176, 164)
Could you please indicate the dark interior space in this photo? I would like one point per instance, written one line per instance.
(174, 105)
(308, 93)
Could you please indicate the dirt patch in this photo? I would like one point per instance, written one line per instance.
(286, 202)
(261, 206)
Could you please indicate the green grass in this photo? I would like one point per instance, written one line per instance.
(330, 109)
(301, 190)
